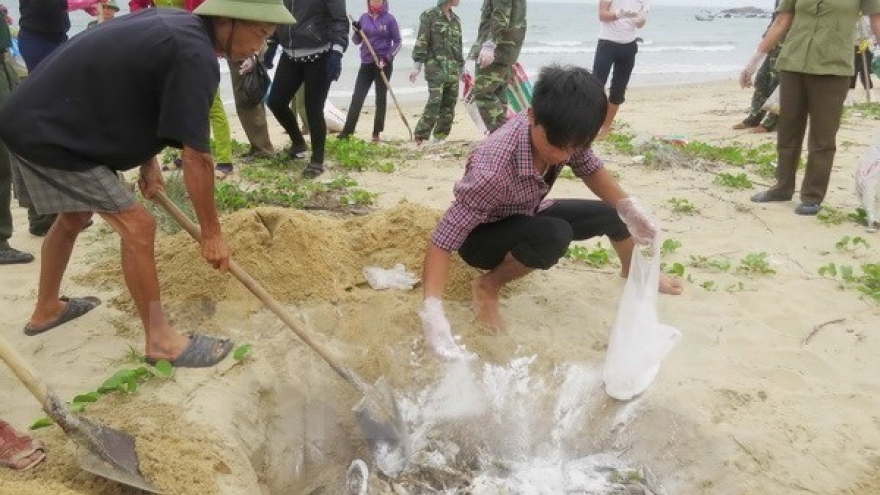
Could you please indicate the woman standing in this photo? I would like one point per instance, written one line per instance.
(312, 57)
(617, 47)
(815, 67)
(383, 35)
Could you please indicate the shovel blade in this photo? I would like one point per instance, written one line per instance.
(384, 429)
(109, 453)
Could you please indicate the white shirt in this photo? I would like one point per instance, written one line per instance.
(623, 30)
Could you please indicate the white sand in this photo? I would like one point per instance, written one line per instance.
(742, 406)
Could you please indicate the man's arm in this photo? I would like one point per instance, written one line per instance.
(198, 175)
(435, 271)
(605, 187)
(776, 33)
(499, 20)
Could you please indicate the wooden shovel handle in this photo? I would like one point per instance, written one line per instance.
(264, 296)
(23, 371)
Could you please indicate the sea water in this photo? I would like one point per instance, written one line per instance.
(677, 49)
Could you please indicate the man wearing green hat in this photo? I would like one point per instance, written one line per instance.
(157, 75)
(106, 11)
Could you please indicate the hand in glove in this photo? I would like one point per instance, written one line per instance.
(247, 66)
(87, 5)
(626, 14)
(356, 26)
(487, 54)
(745, 77)
(334, 65)
(414, 74)
(269, 56)
(438, 333)
(643, 227)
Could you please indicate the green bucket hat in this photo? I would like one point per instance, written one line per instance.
(271, 11)
(111, 5)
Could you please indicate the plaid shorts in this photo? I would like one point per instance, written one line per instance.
(51, 190)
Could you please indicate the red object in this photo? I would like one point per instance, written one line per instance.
(188, 5)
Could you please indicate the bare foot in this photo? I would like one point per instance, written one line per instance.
(168, 348)
(669, 285)
(485, 299)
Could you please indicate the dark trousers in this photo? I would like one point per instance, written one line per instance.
(819, 99)
(289, 76)
(539, 241)
(622, 56)
(368, 75)
(35, 47)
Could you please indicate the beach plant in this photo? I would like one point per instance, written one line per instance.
(847, 243)
(353, 154)
(682, 206)
(867, 282)
(676, 269)
(866, 110)
(755, 264)
(597, 257)
(622, 142)
(738, 181)
(704, 262)
(830, 215)
(124, 381)
(669, 246)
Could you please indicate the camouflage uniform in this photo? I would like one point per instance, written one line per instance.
(438, 46)
(766, 81)
(503, 22)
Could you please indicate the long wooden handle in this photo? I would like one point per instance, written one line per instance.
(384, 78)
(252, 285)
(24, 372)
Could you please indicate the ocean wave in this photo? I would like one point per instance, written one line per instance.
(580, 48)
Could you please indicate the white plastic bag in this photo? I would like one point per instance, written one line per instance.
(638, 341)
(395, 278)
(867, 178)
(771, 104)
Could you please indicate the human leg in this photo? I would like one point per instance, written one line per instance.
(490, 94)
(446, 109)
(362, 84)
(825, 95)
(35, 47)
(624, 56)
(381, 98)
(317, 85)
(288, 79)
(509, 249)
(431, 112)
(252, 117)
(790, 134)
(222, 137)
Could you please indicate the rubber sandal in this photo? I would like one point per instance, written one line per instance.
(15, 257)
(767, 197)
(808, 209)
(203, 351)
(19, 452)
(75, 307)
(222, 170)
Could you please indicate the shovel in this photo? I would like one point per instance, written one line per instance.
(377, 412)
(100, 450)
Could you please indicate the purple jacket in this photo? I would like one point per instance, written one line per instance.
(382, 32)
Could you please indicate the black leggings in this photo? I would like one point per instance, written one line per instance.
(368, 75)
(623, 57)
(539, 241)
(288, 78)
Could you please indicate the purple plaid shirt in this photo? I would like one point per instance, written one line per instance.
(501, 180)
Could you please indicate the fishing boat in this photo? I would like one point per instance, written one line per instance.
(704, 16)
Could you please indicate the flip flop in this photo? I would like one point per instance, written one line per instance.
(203, 351)
(76, 307)
(17, 451)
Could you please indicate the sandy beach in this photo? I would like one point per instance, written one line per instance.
(771, 390)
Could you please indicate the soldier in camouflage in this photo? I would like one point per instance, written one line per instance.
(438, 47)
(766, 80)
(499, 40)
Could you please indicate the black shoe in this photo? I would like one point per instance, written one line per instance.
(768, 196)
(14, 257)
(313, 170)
(297, 152)
(808, 209)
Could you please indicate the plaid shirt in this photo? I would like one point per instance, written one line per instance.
(500, 180)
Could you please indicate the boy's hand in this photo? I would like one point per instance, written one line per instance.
(643, 227)
(487, 54)
(438, 332)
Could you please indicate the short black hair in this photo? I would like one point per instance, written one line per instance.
(570, 104)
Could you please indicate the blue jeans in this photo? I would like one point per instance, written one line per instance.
(37, 46)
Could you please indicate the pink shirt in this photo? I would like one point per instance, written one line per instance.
(501, 180)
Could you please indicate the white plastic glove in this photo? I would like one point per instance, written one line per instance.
(643, 227)
(246, 66)
(414, 73)
(745, 77)
(626, 14)
(438, 333)
(487, 54)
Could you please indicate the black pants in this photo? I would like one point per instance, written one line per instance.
(862, 71)
(288, 78)
(539, 241)
(368, 75)
(623, 58)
